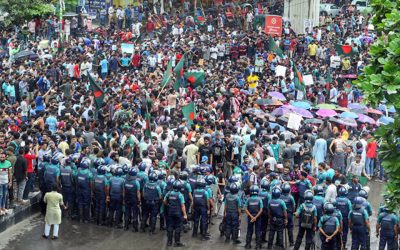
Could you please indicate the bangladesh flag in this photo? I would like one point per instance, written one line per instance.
(167, 75)
(195, 78)
(274, 48)
(346, 50)
(199, 14)
(178, 70)
(60, 46)
(189, 113)
(147, 131)
(97, 92)
(298, 78)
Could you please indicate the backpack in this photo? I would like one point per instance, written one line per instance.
(307, 218)
(179, 144)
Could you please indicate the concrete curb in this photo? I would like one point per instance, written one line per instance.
(19, 213)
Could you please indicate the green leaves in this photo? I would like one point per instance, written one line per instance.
(21, 10)
(381, 81)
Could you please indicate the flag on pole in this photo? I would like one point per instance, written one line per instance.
(147, 131)
(178, 70)
(346, 50)
(97, 92)
(167, 75)
(195, 78)
(298, 78)
(274, 48)
(189, 113)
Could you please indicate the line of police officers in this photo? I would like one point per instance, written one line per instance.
(140, 195)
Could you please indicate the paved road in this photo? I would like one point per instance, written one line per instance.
(74, 235)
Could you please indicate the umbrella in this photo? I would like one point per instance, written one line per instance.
(25, 53)
(374, 111)
(280, 111)
(255, 111)
(348, 115)
(359, 111)
(326, 112)
(273, 125)
(342, 109)
(365, 119)
(283, 119)
(385, 120)
(263, 101)
(344, 121)
(301, 104)
(277, 95)
(303, 112)
(326, 106)
(276, 103)
(356, 106)
(313, 121)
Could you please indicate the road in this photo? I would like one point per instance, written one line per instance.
(74, 235)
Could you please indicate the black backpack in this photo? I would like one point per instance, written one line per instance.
(307, 217)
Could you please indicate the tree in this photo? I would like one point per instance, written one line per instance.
(22, 10)
(380, 81)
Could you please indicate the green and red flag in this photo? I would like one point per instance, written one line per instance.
(274, 47)
(199, 15)
(344, 49)
(189, 112)
(97, 92)
(167, 75)
(298, 78)
(195, 78)
(178, 70)
(147, 131)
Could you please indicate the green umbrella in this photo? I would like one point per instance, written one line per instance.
(326, 106)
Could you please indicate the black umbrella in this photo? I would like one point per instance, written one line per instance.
(26, 53)
(263, 101)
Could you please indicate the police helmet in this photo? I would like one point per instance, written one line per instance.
(318, 190)
(183, 175)
(119, 171)
(254, 189)
(233, 179)
(265, 185)
(285, 188)
(46, 158)
(210, 179)
(67, 161)
(84, 164)
(101, 170)
(160, 175)
(200, 183)
(125, 168)
(132, 172)
(178, 185)
(329, 208)
(153, 176)
(142, 166)
(233, 188)
(358, 202)
(342, 192)
(363, 193)
(55, 160)
(276, 192)
(308, 196)
(98, 162)
(170, 180)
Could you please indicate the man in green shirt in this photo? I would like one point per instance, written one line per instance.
(5, 181)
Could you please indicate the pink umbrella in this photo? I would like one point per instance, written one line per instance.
(326, 112)
(277, 95)
(365, 119)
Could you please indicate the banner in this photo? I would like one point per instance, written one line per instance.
(308, 80)
(127, 48)
(294, 121)
(273, 25)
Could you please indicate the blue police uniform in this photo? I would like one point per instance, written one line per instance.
(151, 196)
(265, 197)
(343, 204)
(132, 187)
(163, 186)
(83, 193)
(67, 187)
(328, 223)
(174, 202)
(200, 210)
(358, 218)
(277, 209)
(116, 198)
(387, 222)
(354, 189)
(319, 202)
(253, 205)
(307, 212)
(303, 186)
(50, 176)
(99, 186)
(232, 205)
(290, 205)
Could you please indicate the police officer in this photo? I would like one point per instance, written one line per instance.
(265, 197)
(132, 200)
(83, 190)
(175, 202)
(143, 178)
(277, 218)
(338, 215)
(387, 229)
(319, 200)
(232, 211)
(201, 206)
(367, 206)
(358, 224)
(307, 212)
(164, 209)
(290, 205)
(210, 180)
(329, 227)
(303, 185)
(51, 174)
(116, 197)
(354, 188)
(162, 184)
(151, 197)
(343, 204)
(67, 185)
(187, 194)
(101, 188)
(254, 209)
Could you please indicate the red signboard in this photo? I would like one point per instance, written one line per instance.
(273, 25)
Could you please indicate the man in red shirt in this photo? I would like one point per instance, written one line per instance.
(30, 155)
(150, 26)
(371, 156)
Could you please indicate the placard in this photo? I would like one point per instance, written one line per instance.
(280, 70)
(335, 62)
(294, 121)
(308, 80)
(273, 25)
(127, 48)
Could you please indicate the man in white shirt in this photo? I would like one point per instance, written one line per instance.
(120, 16)
(331, 191)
